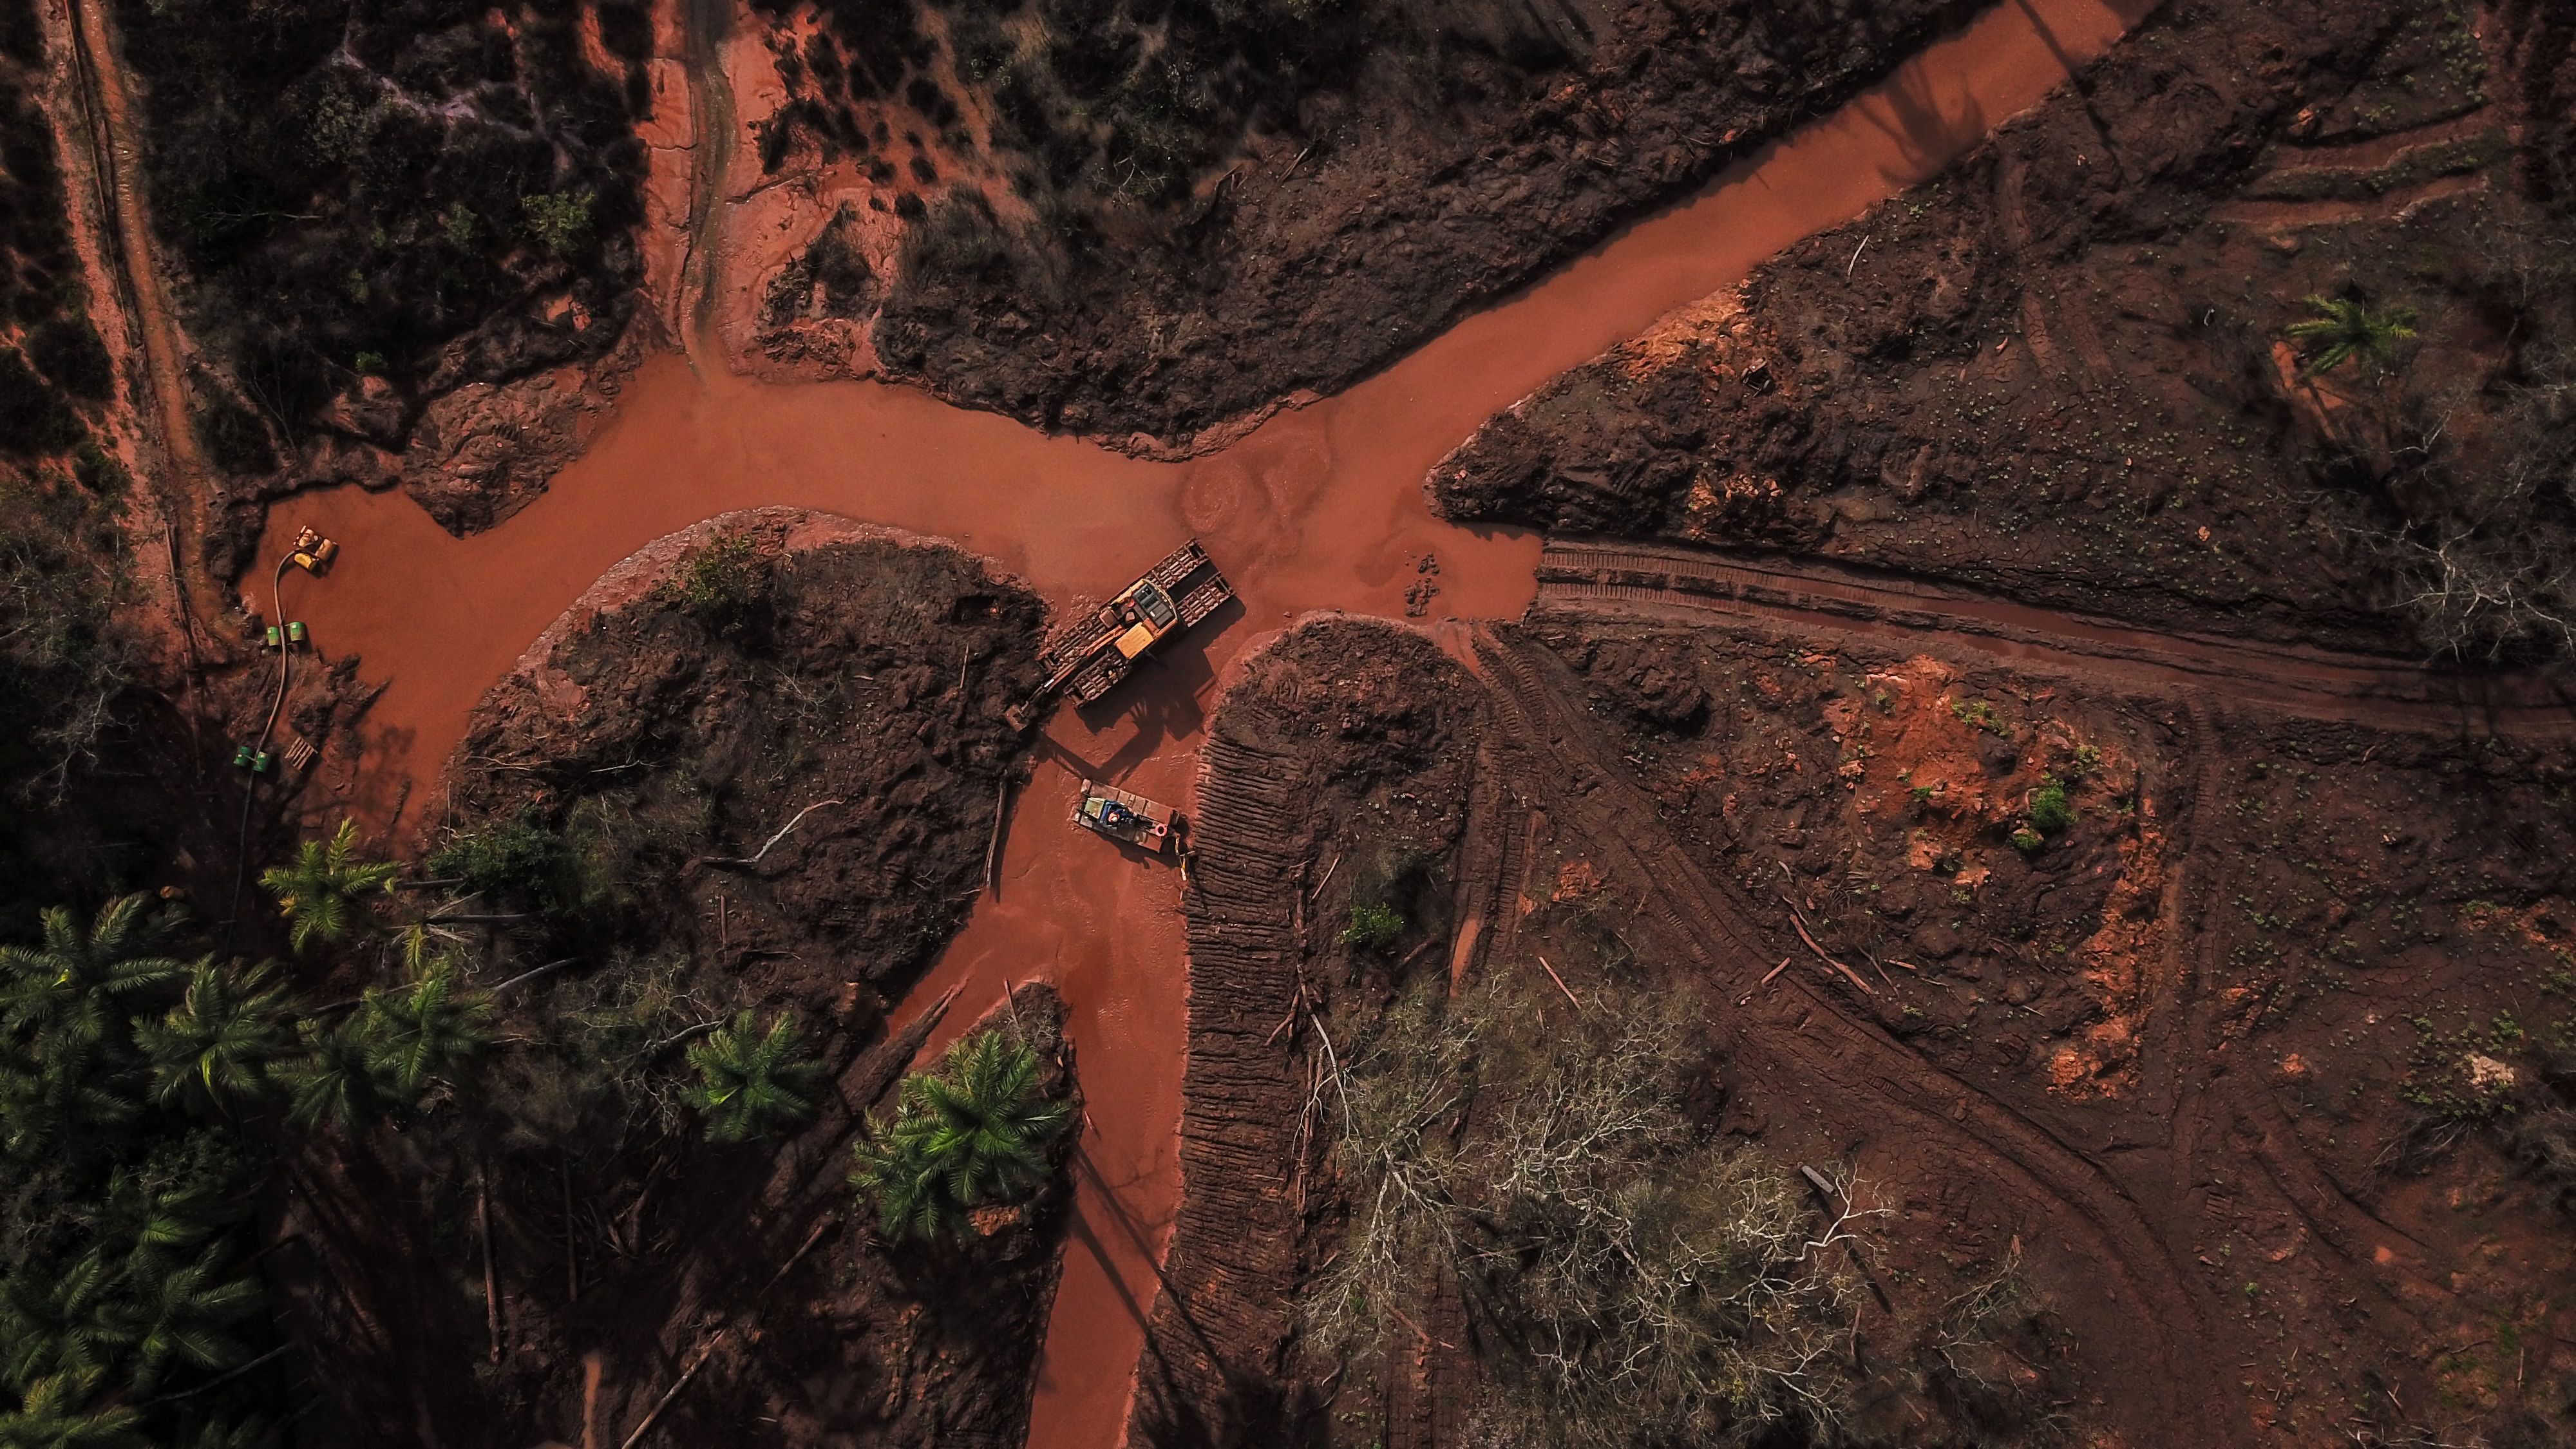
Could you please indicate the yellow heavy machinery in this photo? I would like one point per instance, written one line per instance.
(1088, 658)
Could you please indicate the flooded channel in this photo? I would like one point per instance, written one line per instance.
(1320, 508)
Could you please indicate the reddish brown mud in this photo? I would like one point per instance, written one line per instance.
(1662, 580)
(1318, 508)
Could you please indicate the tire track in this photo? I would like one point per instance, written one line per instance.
(1609, 578)
(1872, 1085)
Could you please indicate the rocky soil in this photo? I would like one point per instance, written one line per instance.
(837, 679)
(2061, 371)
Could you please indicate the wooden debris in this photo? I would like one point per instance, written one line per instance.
(706, 1350)
(1848, 973)
(1774, 972)
(1560, 983)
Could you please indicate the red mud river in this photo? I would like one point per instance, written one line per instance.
(1319, 508)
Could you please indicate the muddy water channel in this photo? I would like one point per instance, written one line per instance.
(1320, 508)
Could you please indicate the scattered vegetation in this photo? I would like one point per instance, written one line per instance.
(2345, 330)
(1373, 926)
(975, 1132)
(397, 192)
(1659, 1286)
(751, 1080)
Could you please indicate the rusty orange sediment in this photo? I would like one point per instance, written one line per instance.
(1321, 507)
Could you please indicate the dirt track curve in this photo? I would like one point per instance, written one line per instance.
(1606, 577)
(1849, 1077)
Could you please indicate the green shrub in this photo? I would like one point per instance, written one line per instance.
(520, 861)
(2028, 841)
(722, 583)
(2050, 814)
(558, 221)
(1372, 927)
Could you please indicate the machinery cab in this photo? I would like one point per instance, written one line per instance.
(1128, 818)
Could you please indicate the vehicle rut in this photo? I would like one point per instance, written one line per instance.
(1609, 578)
(1861, 1082)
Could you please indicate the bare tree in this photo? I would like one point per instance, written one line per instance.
(1648, 1285)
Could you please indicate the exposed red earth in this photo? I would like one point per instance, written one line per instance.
(1321, 508)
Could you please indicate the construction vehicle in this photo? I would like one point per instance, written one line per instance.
(1088, 658)
(313, 553)
(1128, 818)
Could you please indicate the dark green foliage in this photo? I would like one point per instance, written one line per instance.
(753, 1080)
(1373, 926)
(973, 1133)
(2344, 330)
(378, 177)
(424, 1030)
(67, 350)
(517, 862)
(222, 1042)
(234, 438)
(2050, 814)
(123, 1274)
(328, 892)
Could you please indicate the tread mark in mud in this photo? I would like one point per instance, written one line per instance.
(1886, 1085)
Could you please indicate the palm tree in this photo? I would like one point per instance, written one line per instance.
(750, 1080)
(68, 986)
(425, 1029)
(322, 893)
(2344, 329)
(968, 1135)
(176, 1313)
(58, 1327)
(223, 1040)
(332, 1081)
(57, 1413)
(58, 1092)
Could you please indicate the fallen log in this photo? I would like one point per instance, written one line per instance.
(1821, 955)
(707, 1350)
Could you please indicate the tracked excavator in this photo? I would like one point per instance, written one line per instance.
(1089, 657)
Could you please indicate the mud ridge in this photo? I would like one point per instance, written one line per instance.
(1212, 1360)
(1593, 576)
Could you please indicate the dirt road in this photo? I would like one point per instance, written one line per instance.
(1606, 577)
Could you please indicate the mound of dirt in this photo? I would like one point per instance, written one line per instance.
(755, 768)
(2063, 369)
(789, 713)
(1335, 774)
(1302, 169)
